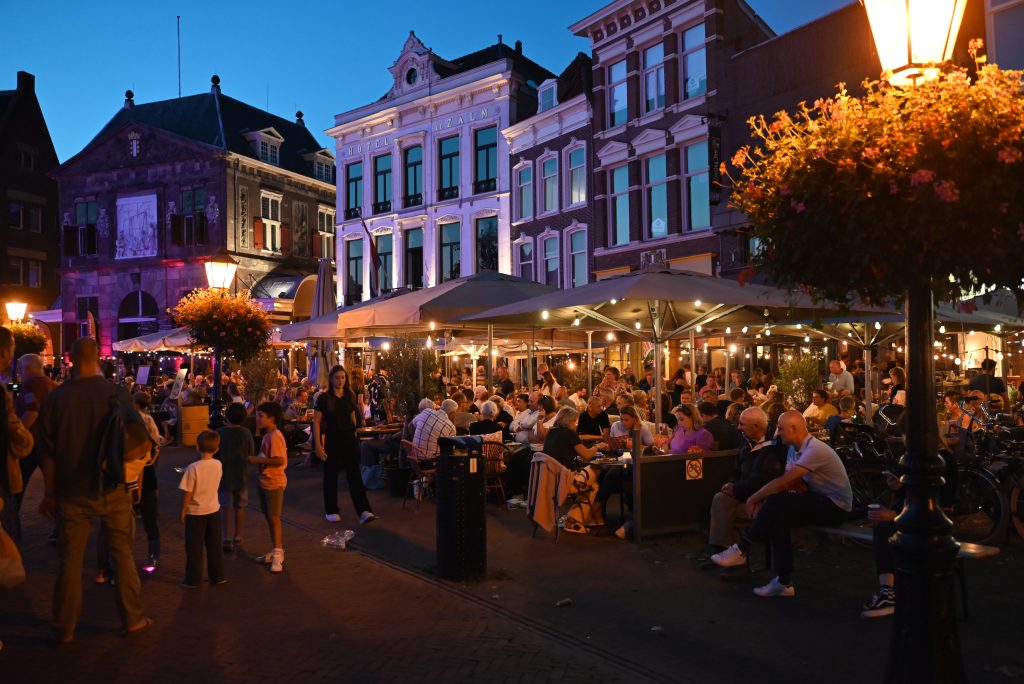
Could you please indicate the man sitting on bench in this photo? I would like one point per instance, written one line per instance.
(814, 490)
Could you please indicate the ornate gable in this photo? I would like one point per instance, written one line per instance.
(413, 69)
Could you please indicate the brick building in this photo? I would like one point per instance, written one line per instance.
(550, 165)
(164, 186)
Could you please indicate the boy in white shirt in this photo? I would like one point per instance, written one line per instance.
(200, 513)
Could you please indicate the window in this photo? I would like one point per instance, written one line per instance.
(382, 184)
(25, 216)
(35, 273)
(550, 245)
(695, 64)
(324, 170)
(269, 152)
(618, 94)
(353, 190)
(524, 193)
(325, 228)
(620, 206)
(270, 212)
(386, 257)
(698, 186)
(485, 146)
(578, 258)
(657, 197)
(353, 271)
(189, 227)
(80, 239)
(654, 78)
(413, 176)
(549, 185)
(15, 266)
(546, 98)
(487, 244)
(525, 258)
(414, 258)
(577, 176)
(26, 160)
(451, 251)
(16, 218)
(448, 162)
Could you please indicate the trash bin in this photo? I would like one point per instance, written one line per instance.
(461, 526)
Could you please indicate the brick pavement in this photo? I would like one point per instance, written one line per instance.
(375, 613)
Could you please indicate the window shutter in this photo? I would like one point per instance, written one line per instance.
(177, 230)
(70, 241)
(200, 229)
(286, 238)
(90, 239)
(257, 234)
(318, 240)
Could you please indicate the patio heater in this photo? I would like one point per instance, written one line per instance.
(913, 39)
(220, 273)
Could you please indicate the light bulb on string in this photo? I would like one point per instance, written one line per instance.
(696, 302)
(699, 328)
(637, 324)
(743, 330)
(544, 314)
(942, 330)
(728, 330)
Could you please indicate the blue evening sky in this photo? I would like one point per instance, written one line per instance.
(318, 56)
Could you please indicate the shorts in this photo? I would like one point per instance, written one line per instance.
(239, 497)
(271, 502)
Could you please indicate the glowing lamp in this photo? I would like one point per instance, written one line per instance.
(913, 37)
(16, 310)
(220, 270)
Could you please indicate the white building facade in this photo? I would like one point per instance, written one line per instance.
(423, 174)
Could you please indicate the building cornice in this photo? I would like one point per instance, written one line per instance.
(263, 166)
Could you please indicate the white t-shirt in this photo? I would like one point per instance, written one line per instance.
(202, 478)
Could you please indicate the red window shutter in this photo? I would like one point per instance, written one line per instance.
(317, 241)
(257, 233)
(70, 241)
(177, 230)
(286, 238)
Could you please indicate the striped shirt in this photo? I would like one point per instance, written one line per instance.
(431, 426)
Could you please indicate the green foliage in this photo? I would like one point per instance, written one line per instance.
(235, 323)
(798, 378)
(907, 188)
(28, 339)
(260, 374)
(403, 363)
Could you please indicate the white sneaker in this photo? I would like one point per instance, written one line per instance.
(730, 558)
(775, 588)
(332, 517)
(367, 517)
(267, 558)
(277, 560)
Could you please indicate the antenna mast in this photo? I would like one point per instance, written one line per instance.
(179, 56)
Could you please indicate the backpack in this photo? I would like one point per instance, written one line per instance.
(125, 446)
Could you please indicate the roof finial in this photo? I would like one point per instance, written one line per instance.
(129, 100)
(298, 118)
(519, 47)
(215, 80)
(499, 39)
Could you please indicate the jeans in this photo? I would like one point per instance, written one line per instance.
(339, 458)
(724, 511)
(782, 512)
(114, 509)
(202, 532)
(885, 559)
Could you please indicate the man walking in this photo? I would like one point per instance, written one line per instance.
(72, 420)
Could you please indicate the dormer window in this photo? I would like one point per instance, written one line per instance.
(324, 170)
(269, 152)
(267, 145)
(547, 96)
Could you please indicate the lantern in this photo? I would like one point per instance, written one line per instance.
(913, 37)
(220, 270)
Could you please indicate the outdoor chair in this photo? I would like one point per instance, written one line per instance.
(423, 471)
(552, 487)
(496, 455)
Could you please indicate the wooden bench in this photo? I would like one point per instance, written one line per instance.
(968, 551)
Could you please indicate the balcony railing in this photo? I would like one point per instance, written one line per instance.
(353, 213)
(447, 193)
(382, 207)
(487, 185)
(412, 200)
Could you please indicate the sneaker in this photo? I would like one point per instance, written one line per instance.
(881, 604)
(775, 588)
(266, 558)
(277, 560)
(574, 527)
(332, 517)
(514, 502)
(624, 530)
(186, 585)
(220, 581)
(367, 517)
(730, 558)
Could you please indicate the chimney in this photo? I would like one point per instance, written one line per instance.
(519, 47)
(298, 118)
(215, 80)
(26, 82)
(129, 99)
(499, 39)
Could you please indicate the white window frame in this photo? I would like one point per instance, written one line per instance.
(569, 256)
(517, 199)
(683, 54)
(271, 225)
(612, 196)
(327, 232)
(658, 72)
(542, 258)
(567, 186)
(517, 255)
(685, 186)
(647, 188)
(624, 81)
(323, 170)
(542, 185)
(544, 89)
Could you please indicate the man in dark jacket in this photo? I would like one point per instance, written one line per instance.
(726, 435)
(760, 461)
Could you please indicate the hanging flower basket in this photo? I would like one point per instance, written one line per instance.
(28, 339)
(231, 322)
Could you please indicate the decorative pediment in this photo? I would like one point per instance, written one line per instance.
(688, 127)
(649, 141)
(414, 67)
(449, 218)
(271, 133)
(612, 152)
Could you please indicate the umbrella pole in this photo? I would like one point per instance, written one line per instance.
(490, 356)
(693, 363)
(867, 384)
(529, 361)
(590, 363)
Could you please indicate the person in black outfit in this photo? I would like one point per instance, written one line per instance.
(488, 424)
(725, 433)
(504, 385)
(594, 421)
(334, 418)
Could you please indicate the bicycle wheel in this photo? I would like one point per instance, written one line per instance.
(869, 487)
(1017, 506)
(980, 513)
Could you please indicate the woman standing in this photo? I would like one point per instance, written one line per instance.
(334, 418)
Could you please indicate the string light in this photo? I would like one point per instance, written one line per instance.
(799, 326)
(696, 302)
(610, 337)
(942, 330)
(878, 326)
(699, 328)
(544, 314)
(576, 321)
(637, 324)
(743, 330)
(728, 330)
(767, 332)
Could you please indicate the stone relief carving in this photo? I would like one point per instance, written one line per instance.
(243, 216)
(103, 224)
(212, 210)
(136, 227)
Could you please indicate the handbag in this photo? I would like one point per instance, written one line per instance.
(12, 572)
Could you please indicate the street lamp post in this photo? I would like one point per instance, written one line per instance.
(16, 311)
(913, 37)
(220, 273)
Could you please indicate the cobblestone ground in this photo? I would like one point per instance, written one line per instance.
(375, 612)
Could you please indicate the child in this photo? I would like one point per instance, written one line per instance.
(148, 500)
(200, 513)
(272, 460)
(236, 447)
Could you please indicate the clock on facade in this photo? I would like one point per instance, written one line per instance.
(410, 76)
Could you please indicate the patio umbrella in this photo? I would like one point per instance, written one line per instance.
(323, 304)
(144, 343)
